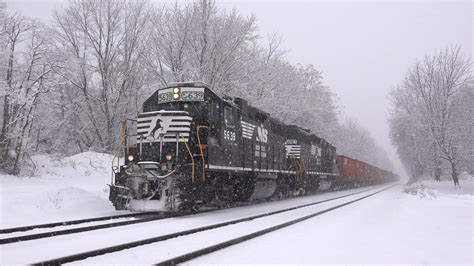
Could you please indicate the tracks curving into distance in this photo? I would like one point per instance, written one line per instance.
(212, 248)
(204, 251)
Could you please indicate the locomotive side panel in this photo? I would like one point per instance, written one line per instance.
(230, 150)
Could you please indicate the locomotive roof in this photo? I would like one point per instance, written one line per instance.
(199, 84)
(187, 84)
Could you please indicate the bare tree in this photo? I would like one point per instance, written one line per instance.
(168, 53)
(3, 7)
(430, 92)
(197, 41)
(101, 47)
(26, 72)
(409, 137)
(463, 125)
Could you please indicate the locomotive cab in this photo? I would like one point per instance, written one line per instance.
(171, 118)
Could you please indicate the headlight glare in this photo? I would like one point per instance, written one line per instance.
(176, 93)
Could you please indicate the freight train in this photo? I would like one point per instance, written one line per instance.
(192, 148)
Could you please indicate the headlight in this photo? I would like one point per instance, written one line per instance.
(169, 157)
(176, 93)
(130, 158)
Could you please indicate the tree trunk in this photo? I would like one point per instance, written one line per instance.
(6, 119)
(454, 174)
(38, 139)
(437, 163)
(437, 174)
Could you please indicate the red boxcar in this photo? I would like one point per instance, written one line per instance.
(352, 171)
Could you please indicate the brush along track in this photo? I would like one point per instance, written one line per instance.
(102, 251)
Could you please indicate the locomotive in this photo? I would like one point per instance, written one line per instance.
(192, 148)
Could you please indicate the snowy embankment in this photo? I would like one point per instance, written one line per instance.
(62, 189)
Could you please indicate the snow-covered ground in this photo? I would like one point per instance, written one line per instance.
(391, 228)
(49, 248)
(62, 189)
(426, 223)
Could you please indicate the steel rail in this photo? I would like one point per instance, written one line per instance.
(71, 222)
(120, 247)
(81, 229)
(201, 252)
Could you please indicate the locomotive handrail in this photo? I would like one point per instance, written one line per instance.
(177, 145)
(298, 171)
(148, 162)
(303, 168)
(119, 147)
(201, 151)
(143, 163)
(168, 174)
(300, 168)
(141, 145)
(192, 158)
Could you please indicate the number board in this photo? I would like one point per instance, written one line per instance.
(187, 94)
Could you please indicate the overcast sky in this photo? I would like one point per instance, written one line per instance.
(363, 48)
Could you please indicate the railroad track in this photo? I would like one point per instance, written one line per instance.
(142, 218)
(71, 222)
(234, 241)
(163, 239)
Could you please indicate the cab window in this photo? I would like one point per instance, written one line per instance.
(229, 116)
(212, 110)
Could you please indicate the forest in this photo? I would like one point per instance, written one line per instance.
(66, 86)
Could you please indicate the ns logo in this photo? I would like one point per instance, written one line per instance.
(262, 134)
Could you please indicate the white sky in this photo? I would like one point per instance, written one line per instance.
(363, 48)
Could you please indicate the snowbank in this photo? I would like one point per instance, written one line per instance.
(63, 188)
(431, 189)
(79, 165)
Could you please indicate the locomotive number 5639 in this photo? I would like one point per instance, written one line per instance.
(229, 135)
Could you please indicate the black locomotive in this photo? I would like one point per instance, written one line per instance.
(191, 147)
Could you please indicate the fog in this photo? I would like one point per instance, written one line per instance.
(363, 48)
